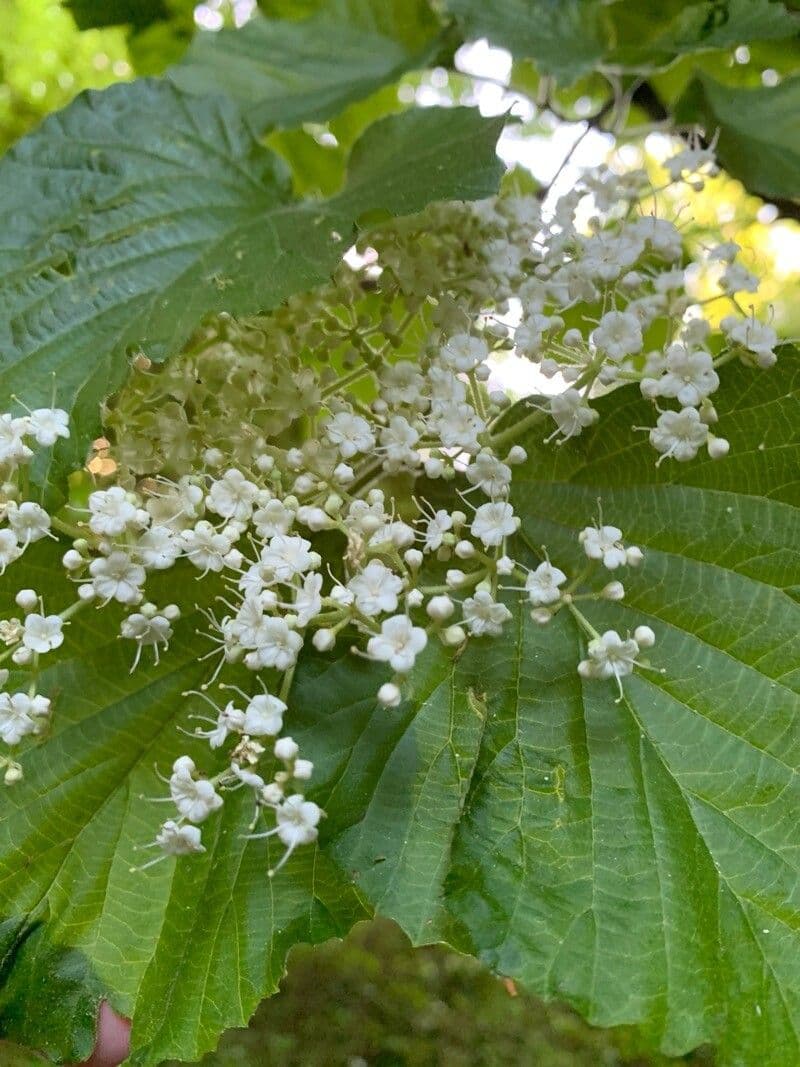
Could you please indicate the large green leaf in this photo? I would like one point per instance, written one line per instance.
(569, 38)
(637, 859)
(757, 131)
(288, 72)
(136, 211)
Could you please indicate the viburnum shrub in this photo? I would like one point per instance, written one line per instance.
(332, 623)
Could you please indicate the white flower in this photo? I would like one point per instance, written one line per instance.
(307, 600)
(232, 496)
(737, 279)
(158, 548)
(398, 643)
(205, 547)
(679, 434)
(43, 633)
(48, 424)
(483, 615)
(297, 820)
(690, 161)
(572, 413)
(194, 798)
(755, 336)
(458, 426)
(178, 507)
(399, 534)
(248, 778)
(29, 521)
(277, 646)
(618, 335)
(662, 236)
(263, 716)
(21, 715)
(401, 383)
(435, 529)
(13, 449)
(690, 376)
(604, 543)
(351, 433)
(273, 518)
(287, 556)
(230, 720)
(610, 656)
(177, 840)
(375, 589)
(489, 473)
(542, 584)
(151, 630)
(9, 548)
(463, 353)
(493, 522)
(398, 439)
(116, 577)
(724, 253)
(111, 512)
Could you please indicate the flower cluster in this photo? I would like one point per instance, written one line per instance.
(246, 460)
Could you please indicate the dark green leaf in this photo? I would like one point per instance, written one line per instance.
(137, 211)
(570, 38)
(564, 37)
(757, 131)
(288, 72)
(637, 859)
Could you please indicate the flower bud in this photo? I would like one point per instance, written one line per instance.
(213, 457)
(303, 769)
(440, 608)
(13, 775)
(516, 455)
(613, 591)
(86, 592)
(323, 640)
(454, 635)
(633, 556)
(22, 656)
(27, 600)
(344, 474)
(718, 447)
(315, 519)
(286, 748)
(72, 560)
(454, 578)
(415, 598)
(465, 550)
(389, 695)
(541, 616)
(505, 566)
(644, 637)
(413, 558)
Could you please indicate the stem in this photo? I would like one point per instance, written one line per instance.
(513, 432)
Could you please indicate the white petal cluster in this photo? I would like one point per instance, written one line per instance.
(367, 504)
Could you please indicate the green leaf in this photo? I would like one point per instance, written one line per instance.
(187, 951)
(758, 131)
(642, 39)
(287, 72)
(137, 211)
(570, 38)
(637, 859)
(564, 37)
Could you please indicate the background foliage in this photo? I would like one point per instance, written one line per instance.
(639, 861)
